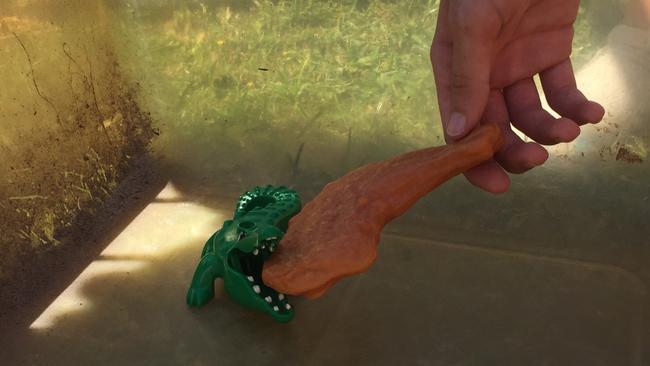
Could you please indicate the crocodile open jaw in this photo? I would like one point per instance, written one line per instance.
(238, 250)
(251, 265)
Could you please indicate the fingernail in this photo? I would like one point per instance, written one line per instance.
(456, 124)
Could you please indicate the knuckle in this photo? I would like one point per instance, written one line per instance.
(568, 44)
(434, 52)
(473, 19)
(461, 81)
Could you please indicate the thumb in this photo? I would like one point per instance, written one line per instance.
(471, 63)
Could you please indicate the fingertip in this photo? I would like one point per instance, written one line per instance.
(489, 177)
(498, 185)
(522, 157)
(569, 130)
(498, 188)
(593, 112)
(456, 126)
(561, 130)
(538, 154)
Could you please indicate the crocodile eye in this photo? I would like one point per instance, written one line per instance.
(246, 225)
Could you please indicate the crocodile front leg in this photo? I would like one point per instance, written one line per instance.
(202, 288)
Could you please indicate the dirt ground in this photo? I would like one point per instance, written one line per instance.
(40, 278)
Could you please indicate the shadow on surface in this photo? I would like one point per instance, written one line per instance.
(424, 302)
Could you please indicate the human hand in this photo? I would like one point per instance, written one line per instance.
(484, 56)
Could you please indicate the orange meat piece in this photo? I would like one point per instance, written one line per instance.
(336, 234)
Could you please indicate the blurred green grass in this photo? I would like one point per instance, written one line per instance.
(350, 80)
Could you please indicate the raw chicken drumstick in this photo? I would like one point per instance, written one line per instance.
(336, 234)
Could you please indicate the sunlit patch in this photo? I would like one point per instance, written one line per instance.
(170, 192)
(162, 228)
(72, 300)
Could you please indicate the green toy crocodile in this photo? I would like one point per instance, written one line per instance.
(238, 250)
